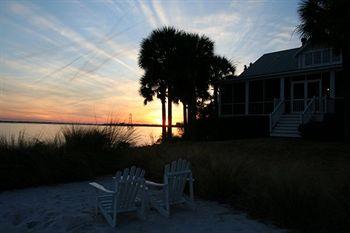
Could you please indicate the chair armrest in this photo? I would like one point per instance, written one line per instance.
(154, 184)
(100, 187)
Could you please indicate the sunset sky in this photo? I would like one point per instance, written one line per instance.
(77, 60)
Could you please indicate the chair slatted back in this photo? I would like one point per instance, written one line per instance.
(176, 175)
(128, 185)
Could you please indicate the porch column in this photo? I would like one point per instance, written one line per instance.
(332, 84)
(246, 97)
(281, 89)
(305, 91)
(330, 103)
(219, 102)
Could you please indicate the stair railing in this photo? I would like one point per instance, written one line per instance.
(276, 113)
(308, 111)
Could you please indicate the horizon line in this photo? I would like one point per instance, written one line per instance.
(177, 125)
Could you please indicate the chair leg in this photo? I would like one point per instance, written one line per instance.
(144, 201)
(166, 201)
(96, 206)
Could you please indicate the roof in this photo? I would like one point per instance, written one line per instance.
(280, 63)
(272, 63)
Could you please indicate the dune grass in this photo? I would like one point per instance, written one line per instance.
(76, 153)
(296, 184)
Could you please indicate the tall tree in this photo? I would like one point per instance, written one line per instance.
(185, 66)
(221, 69)
(193, 57)
(156, 58)
(327, 22)
(152, 86)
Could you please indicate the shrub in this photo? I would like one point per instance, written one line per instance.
(76, 153)
(330, 128)
(296, 184)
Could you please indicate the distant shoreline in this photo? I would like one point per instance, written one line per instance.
(77, 123)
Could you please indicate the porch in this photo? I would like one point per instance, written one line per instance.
(293, 99)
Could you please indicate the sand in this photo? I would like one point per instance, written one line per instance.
(70, 208)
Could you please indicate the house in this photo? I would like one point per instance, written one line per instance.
(287, 88)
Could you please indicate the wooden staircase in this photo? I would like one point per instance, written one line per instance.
(287, 126)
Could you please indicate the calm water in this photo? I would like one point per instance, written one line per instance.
(146, 135)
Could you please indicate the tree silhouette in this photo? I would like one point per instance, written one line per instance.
(182, 67)
(152, 86)
(221, 69)
(156, 58)
(193, 57)
(327, 22)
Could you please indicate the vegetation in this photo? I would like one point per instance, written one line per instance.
(326, 22)
(76, 153)
(330, 129)
(181, 67)
(303, 185)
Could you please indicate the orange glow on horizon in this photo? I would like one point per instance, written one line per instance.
(149, 114)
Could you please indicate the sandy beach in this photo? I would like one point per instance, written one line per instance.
(70, 208)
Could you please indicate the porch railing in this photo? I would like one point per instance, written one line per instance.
(277, 113)
(308, 111)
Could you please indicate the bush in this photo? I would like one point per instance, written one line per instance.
(76, 153)
(331, 128)
(214, 129)
(296, 184)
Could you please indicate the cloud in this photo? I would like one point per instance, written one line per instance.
(147, 12)
(161, 14)
(104, 79)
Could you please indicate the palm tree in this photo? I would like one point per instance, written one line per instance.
(156, 55)
(327, 22)
(152, 86)
(182, 67)
(221, 69)
(193, 57)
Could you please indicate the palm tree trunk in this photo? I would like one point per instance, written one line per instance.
(170, 114)
(163, 119)
(216, 104)
(346, 75)
(184, 118)
(192, 118)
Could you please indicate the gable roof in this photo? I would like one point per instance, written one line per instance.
(272, 63)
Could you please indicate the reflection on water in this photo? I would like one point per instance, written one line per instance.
(146, 135)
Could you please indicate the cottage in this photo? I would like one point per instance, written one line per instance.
(289, 87)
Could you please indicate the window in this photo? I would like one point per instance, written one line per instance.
(317, 57)
(226, 94)
(239, 92)
(335, 55)
(326, 56)
(226, 109)
(308, 59)
(321, 56)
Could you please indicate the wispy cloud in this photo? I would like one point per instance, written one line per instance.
(85, 52)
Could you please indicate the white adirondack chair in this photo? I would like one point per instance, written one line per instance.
(128, 186)
(176, 175)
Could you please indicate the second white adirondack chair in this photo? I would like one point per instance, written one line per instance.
(176, 175)
(128, 186)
